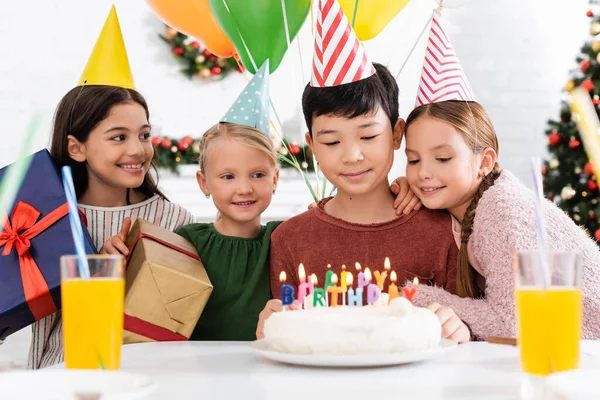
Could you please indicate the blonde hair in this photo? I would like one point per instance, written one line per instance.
(245, 134)
(473, 123)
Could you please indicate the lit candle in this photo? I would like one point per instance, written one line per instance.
(287, 291)
(362, 282)
(328, 283)
(380, 276)
(392, 288)
(348, 284)
(409, 293)
(316, 297)
(305, 288)
(355, 296)
(334, 290)
(343, 278)
(373, 291)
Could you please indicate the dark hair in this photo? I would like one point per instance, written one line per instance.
(77, 114)
(353, 99)
(475, 126)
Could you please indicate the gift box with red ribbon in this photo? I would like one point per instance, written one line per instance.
(166, 286)
(34, 235)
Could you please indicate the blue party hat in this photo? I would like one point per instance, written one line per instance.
(252, 106)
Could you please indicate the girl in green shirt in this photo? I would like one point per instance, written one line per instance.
(238, 170)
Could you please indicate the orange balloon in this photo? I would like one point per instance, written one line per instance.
(194, 18)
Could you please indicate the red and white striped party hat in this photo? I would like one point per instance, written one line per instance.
(339, 56)
(443, 77)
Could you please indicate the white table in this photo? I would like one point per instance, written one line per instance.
(227, 370)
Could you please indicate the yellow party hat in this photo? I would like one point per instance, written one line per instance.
(108, 64)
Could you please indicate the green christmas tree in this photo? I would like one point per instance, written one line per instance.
(569, 178)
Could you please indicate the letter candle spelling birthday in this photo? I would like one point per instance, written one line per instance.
(287, 291)
(305, 288)
(381, 276)
(334, 290)
(373, 291)
(354, 299)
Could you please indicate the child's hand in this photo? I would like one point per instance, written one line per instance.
(452, 327)
(406, 200)
(272, 306)
(116, 244)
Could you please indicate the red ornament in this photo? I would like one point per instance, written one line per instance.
(183, 145)
(588, 85)
(187, 139)
(592, 185)
(596, 101)
(597, 235)
(295, 149)
(213, 58)
(589, 169)
(178, 51)
(554, 139)
(584, 65)
(156, 140)
(207, 53)
(589, 13)
(166, 144)
(215, 71)
(195, 45)
(592, 215)
(544, 170)
(574, 143)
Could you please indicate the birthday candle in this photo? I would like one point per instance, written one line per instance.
(343, 278)
(334, 290)
(380, 276)
(305, 287)
(362, 282)
(348, 284)
(328, 283)
(409, 293)
(287, 291)
(316, 297)
(392, 288)
(373, 291)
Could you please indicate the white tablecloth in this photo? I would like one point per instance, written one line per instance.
(219, 370)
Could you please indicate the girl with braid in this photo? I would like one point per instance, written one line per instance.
(452, 148)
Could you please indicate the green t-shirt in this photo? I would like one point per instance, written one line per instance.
(238, 269)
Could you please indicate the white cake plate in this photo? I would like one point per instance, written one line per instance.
(352, 360)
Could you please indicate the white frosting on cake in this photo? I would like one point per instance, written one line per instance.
(354, 330)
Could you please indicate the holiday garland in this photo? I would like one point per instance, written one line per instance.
(569, 178)
(169, 153)
(196, 60)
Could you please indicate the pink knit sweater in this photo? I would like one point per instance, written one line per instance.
(505, 223)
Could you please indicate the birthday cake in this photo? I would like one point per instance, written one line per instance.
(354, 330)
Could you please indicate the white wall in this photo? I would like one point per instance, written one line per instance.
(516, 54)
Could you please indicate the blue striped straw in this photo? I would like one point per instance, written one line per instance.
(536, 171)
(84, 269)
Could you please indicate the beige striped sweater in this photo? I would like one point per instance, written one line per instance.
(102, 223)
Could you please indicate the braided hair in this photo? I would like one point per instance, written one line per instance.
(473, 123)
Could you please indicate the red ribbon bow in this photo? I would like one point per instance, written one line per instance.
(17, 235)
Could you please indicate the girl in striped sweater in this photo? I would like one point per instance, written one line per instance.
(103, 133)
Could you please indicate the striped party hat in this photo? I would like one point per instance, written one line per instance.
(251, 108)
(339, 56)
(442, 78)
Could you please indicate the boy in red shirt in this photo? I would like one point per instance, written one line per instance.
(354, 129)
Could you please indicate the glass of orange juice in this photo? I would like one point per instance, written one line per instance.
(548, 316)
(92, 312)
